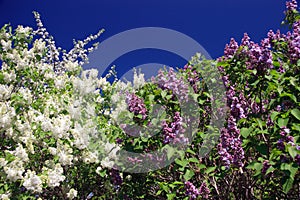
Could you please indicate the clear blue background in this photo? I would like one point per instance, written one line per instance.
(211, 22)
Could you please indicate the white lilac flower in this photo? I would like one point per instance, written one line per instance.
(32, 181)
(21, 30)
(64, 152)
(55, 176)
(138, 80)
(20, 152)
(9, 77)
(5, 92)
(39, 45)
(72, 194)
(80, 135)
(59, 82)
(3, 162)
(6, 45)
(61, 126)
(26, 94)
(6, 115)
(5, 196)
(90, 157)
(71, 66)
(106, 163)
(14, 170)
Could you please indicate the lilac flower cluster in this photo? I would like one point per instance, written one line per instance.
(230, 146)
(78, 53)
(193, 192)
(297, 158)
(258, 57)
(136, 105)
(291, 5)
(204, 190)
(173, 132)
(171, 82)
(116, 179)
(291, 38)
(285, 138)
(266, 166)
(193, 77)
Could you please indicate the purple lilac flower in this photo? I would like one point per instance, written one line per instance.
(285, 138)
(291, 38)
(230, 49)
(230, 148)
(191, 190)
(136, 105)
(266, 166)
(193, 77)
(170, 81)
(291, 5)
(297, 159)
(204, 191)
(173, 131)
(116, 179)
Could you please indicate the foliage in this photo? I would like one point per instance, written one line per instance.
(63, 130)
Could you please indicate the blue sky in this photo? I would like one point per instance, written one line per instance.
(211, 23)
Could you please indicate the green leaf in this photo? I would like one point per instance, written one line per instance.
(257, 166)
(163, 93)
(260, 123)
(102, 173)
(282, 122)
(210, 169)
(170, 151)
(171, 196)
(194, 160)
(177, 183)
(287, 185)
(280, 89)
(273, 115)
(292, 151)
(296, 127)
(190, 151)
(182, 163)
(296, 113)
(290, 168)
(245, 132)
(188, 175)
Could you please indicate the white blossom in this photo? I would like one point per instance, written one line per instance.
(5, 196)
(72, 193)
(138, 80)
(6, 45)
(5, 92)
(14, 170)
(32, 181)
(55, 176)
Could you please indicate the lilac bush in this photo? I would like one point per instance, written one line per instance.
(62, 128)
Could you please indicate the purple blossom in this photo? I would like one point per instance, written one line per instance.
(193, 77)
(170, 81)
(191, 190)
(266, 166)
(116, 179)
(297, 159)
(136, 105)
(291, 5)
(204, 191)
(173, 132)
(230, 49)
